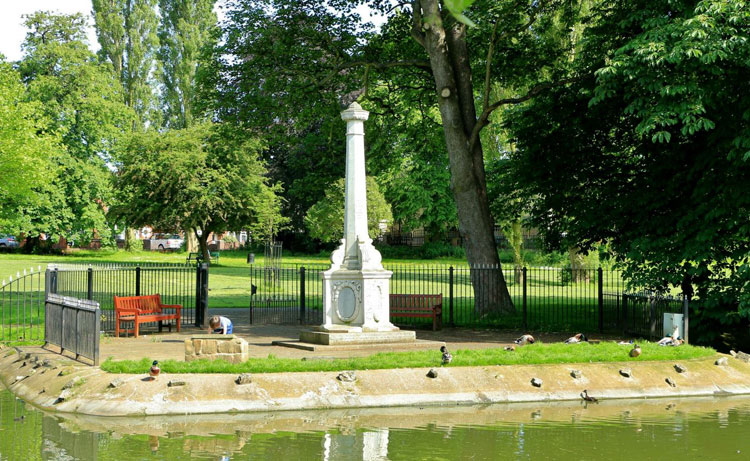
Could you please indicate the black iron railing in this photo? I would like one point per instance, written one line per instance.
(586, 299)
(22, 307)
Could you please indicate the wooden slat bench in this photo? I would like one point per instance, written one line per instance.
(421, 306)
(143, 309)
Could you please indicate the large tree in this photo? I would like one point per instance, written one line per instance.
(521, 43)
(25, 146)
(126, 30)
(82, 103)
(186, 27)
(207, 177)
(652, 153)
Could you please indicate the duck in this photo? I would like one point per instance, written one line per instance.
(447, 357)
(524, 340)
(153, 372)
(585, 396)
(669, 341)
(510, 348)
(635, 351)
(673, 339)
(577, 338)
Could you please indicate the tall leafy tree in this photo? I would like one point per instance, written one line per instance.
(82, 104)
(325, 219)
(652, 153)
(326, 52)
(127, 34)
(186, 27)
(206, 177)
(26, 145)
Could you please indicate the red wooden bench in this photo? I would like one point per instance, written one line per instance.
(424, 306)
(143, 309)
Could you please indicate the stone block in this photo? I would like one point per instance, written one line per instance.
(225, 347)
(208, 347)
(197, 344)
(189, 349)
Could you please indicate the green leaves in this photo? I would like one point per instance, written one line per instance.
(655, 164)
(25, 145)
(206, 177)
(325, 219)
(457, 7)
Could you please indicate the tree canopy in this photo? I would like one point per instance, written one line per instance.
(207, 177)
(325, 219)
(651, 152)
(25, 145)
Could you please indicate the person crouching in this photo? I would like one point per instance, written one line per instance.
(220, 324)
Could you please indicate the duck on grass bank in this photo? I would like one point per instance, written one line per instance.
(447, 357)
(635, 351)
(578, 338)
(154, 371)
(524, 340)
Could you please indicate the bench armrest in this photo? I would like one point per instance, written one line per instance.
(170, 306)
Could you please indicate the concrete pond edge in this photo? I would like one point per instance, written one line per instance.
(56, 383)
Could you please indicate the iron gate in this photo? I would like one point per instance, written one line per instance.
(286, 295)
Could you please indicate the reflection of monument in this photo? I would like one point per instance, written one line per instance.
(355, 288)
(371, 445)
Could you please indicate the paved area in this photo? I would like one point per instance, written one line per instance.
(167, 345)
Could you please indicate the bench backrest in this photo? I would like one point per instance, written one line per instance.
(416, 301)
(143, 304)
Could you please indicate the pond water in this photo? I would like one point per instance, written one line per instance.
(709, 428)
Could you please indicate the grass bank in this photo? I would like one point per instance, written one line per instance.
(556, 353)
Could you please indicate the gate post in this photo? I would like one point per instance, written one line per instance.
(600, 293)
(90, 284)
(685, 313)
(137, 280)
(652, 316)
(201, 294)
(450, 296)
(302, 295)
(525, 314)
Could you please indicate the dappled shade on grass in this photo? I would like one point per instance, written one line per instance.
(528, 355)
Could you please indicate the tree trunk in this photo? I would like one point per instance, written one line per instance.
(192, 241)
(131, 241)
(203, 245)
(456, 102)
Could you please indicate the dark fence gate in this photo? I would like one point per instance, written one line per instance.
(287, 295)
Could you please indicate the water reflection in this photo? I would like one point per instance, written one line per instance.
(711, 428)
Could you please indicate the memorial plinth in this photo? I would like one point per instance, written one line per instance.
(356, 286)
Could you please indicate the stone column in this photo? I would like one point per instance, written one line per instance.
(356, 287)
(355, 204)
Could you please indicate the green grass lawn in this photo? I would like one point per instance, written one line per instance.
(531, 354)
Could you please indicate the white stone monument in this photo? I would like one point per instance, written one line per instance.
(355, 287)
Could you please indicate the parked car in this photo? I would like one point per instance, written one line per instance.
(163, 242)
(8, 242)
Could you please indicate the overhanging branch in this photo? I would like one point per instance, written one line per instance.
(485, 116)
